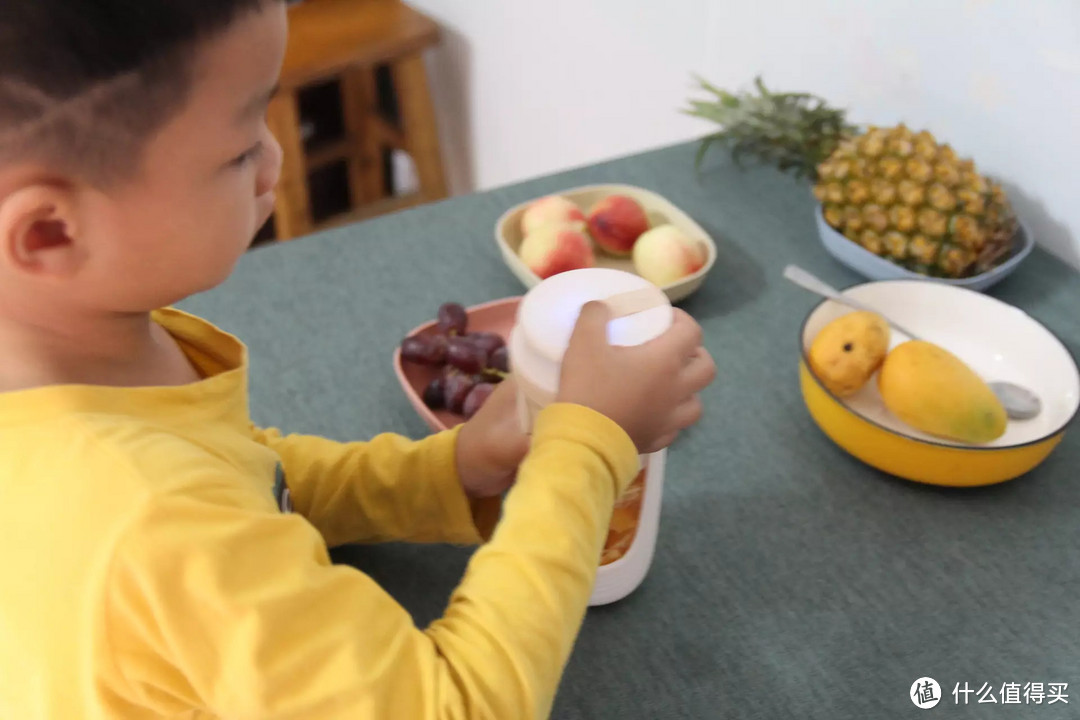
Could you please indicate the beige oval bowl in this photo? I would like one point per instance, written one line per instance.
(659, 209)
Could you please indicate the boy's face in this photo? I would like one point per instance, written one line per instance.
(206, 182)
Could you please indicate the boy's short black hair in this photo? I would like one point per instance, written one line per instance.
(84, 83)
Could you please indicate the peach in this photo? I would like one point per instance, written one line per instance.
(616, 222)
(547, 210)
(666, 254)
(552, 249)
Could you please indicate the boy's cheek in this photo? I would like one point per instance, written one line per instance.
(264, 208)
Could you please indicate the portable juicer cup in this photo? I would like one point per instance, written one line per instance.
(545, 321)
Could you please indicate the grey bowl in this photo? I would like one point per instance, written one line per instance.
(874, 267)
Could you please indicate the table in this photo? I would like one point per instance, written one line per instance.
(790, 580)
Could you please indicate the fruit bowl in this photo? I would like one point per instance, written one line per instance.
(496, 317)
(874, 267)
(997, 340)
(508, 234)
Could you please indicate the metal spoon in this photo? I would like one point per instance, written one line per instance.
(1019, 402)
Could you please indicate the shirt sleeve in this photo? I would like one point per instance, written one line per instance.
(390, 488)
(239, 613)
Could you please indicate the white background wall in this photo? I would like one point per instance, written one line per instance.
(527, 88)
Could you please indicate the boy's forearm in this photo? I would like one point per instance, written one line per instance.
(516, 615)
(388, 488)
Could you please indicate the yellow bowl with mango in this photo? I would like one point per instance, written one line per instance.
(996, 340)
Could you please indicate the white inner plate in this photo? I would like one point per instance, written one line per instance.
(997, 340)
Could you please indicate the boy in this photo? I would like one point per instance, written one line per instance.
(162, 556)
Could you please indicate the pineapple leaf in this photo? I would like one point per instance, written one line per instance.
(704, 148)
(725, 97)
(794, 131)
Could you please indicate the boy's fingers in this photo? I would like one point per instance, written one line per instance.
(684, 335)
(591, 326)
(661, 443)
(689, 413)
(693, 336)
(699, 372)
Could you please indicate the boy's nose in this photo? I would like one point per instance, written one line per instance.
(270, 170)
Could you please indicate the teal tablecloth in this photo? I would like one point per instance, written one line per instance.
(790, 581)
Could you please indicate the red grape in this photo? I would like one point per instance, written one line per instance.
(489, 342)
(455, 389)
(500, 359)
(476, 398)
(434, 396)
(452, 319)
(440, 342)
(465, 356)
(424, 349)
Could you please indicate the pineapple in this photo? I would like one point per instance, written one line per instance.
(896, 192)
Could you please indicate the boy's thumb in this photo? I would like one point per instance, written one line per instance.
(592, 322)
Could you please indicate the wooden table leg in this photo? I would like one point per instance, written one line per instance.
(419, 127)
(360, 103)
(292, 210)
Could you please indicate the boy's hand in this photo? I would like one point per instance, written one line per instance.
(650, 390)
(491, 445)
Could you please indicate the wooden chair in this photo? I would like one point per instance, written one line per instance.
(350, 41)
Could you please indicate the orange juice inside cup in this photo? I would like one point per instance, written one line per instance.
(624, 521)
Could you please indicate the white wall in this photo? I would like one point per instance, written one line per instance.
(532, 87)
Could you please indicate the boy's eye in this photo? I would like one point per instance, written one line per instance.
(248, 156)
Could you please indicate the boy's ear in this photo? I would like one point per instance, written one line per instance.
(39, 231)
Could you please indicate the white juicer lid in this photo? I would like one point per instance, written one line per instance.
(549, 312)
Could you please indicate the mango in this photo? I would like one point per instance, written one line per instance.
(847, 351)
(932, 390)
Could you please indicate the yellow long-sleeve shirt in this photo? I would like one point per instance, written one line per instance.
(151, 566)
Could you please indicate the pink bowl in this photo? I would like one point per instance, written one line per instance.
(497, 316)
